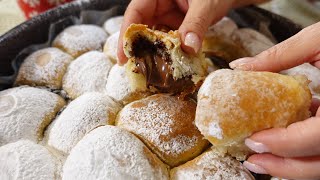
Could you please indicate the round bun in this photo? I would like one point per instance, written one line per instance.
(45, 67)
(111, 153)
(211, 165)
(111, 47)
(25, 159)
(252, 41)
(25, 112)
(118, 86)
(166, 125)
(113, 24)
(232, 105)
(88, 73)
(225, 27)
(81, 116)
(311, 72)
(79, 39)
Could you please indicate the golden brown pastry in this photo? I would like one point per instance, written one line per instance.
(211, 165)
(232, 105)
(45, 67)
(157, 62)
(166, 125)
(79, 39)
(109, 153)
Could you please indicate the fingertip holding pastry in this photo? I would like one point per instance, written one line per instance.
(254, 168)
(256, 146)
(192, 41)
(232, 105)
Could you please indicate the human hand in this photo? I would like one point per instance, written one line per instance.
(194, 17)
(292, 152)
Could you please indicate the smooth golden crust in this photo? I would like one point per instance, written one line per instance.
(183, 65)
(45, 67)
(166, 125)
(232, 105)
(211, 165)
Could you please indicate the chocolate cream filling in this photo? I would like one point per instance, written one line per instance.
(154, 62)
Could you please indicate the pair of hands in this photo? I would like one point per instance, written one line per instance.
(292, 152)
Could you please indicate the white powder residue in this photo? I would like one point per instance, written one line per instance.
(43, 67)
(23, 112)
(178, 145)
(25, 159)
(88, 73)
(215, 130)
(109, 152)
(80, 117)
(111, 46)
(113, 25)
(80, 39)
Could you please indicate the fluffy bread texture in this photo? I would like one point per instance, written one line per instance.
(80, 117)
(45, 67)
(232, 105)
(109, 152)
(211, 165)
(25, 159)
(25, 112)
(166, 125)
(183, 65)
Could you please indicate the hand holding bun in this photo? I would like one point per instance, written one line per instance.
(232, 105)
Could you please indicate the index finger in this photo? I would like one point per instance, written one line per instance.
(137, 12)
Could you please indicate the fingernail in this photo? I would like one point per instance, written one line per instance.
(192, 40)
(256, 146)
(241, 64)
(254, 168)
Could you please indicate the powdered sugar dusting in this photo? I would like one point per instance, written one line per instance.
(111, 46)
(26, 160)
(88, 73)
(24, 112)
(44, 67)
(112, 25)
(165, 124)
(79, 39)
(111, 153)
(210, 165)
(215, 130)
(80, 117)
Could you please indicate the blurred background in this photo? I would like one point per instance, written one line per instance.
(304, 12)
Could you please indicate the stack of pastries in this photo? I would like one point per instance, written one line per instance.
(73, 113)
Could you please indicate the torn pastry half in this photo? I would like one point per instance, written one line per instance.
(157, 63)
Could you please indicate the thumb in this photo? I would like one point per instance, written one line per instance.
(300, 48)
(200, 15)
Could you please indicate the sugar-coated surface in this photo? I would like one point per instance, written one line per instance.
(113, 24)
(45, 67)
(88, 73)
(111, 153)
(210, 165)
(25, 111)
(78, 39)
(81, 116)
(111, 46)
(27, 160)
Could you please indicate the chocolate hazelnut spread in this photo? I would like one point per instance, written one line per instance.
(153, 61)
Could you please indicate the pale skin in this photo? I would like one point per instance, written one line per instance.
(292, 152)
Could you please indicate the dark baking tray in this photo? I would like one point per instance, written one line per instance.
(20, 41)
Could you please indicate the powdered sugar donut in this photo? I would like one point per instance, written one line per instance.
(210, 165)
(25, 159)
(88, 73)
(25, 112)
(166, 125)
(81, 116)
(78, 39)
(312, 73)
(45, 67)
(253, 41)
(109, 152)
(118, 86)
(111, 45)
(113, 24)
